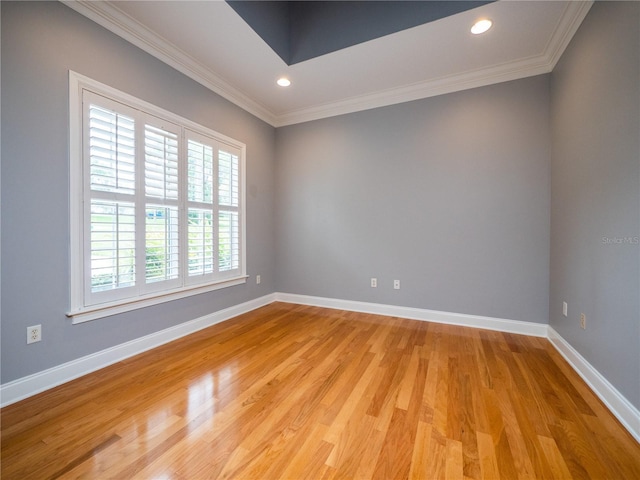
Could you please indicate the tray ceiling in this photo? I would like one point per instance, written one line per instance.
(211, 43)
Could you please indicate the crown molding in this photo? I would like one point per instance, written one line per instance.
(449, 84)
(126, 27)
(118, 22)
(572, 17)
(569, 23)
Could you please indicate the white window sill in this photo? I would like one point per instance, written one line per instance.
(93, 312)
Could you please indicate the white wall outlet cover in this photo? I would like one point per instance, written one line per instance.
(34, 333)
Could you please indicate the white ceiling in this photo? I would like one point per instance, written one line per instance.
(209, 42)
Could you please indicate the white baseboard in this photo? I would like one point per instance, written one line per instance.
(621, 408)
(24, 387)
(476, 321)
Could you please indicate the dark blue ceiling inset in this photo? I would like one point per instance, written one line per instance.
(302, 30)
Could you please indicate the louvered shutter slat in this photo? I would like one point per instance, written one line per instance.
(228, 179)
(112, 245)
(111, 151)
(161, 163)
(200, 172)
(229, 241)
(200, 234)
(162, 241)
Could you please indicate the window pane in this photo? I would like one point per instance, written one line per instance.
(111, 151)
(229, 244)
(161, 243)
(227, 179)
(200, 172)
(201, 242)
(112, 245)
(161, 163)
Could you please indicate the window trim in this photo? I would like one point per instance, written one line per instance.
(79, 310)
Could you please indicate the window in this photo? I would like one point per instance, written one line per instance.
(157, 204)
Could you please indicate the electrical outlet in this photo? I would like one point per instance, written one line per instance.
(583, 321)
(258, 279)
(374, 282)
(564, 308)
(396, 284)
(34, 334)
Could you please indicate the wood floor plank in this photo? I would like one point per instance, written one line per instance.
(351, 402)
(515, 435)
(409, 380)
(454, 460)
(487, 456)
(295, 392)
(419, 460)
(554, 458)
(350, 449)
(530, 437)
(394, 460)
(312, 450)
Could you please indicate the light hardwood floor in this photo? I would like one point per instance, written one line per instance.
(292, 392)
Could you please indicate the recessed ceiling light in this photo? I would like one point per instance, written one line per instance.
(481, 26)
(284, 82)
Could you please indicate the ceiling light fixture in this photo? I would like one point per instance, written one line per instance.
(283, 82)
(481, 26)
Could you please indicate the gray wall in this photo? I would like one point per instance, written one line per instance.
(595, 98)
(40, 43)
(453, 195)
(448, 194)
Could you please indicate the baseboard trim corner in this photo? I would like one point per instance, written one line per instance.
(30, 385)
(461, 319)
(617, 403)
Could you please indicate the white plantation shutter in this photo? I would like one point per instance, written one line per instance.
(202, 234)
(213, 198)
(160, 163)
(112, 245)
(161, 243)
(111, 150)
(161, 205)
(162, 237)
(228, 218)
(229, 245)
(201, 241)
(110, 144)
(200, 172)
(228, 178)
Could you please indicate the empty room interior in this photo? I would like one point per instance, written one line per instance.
(283, 240)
